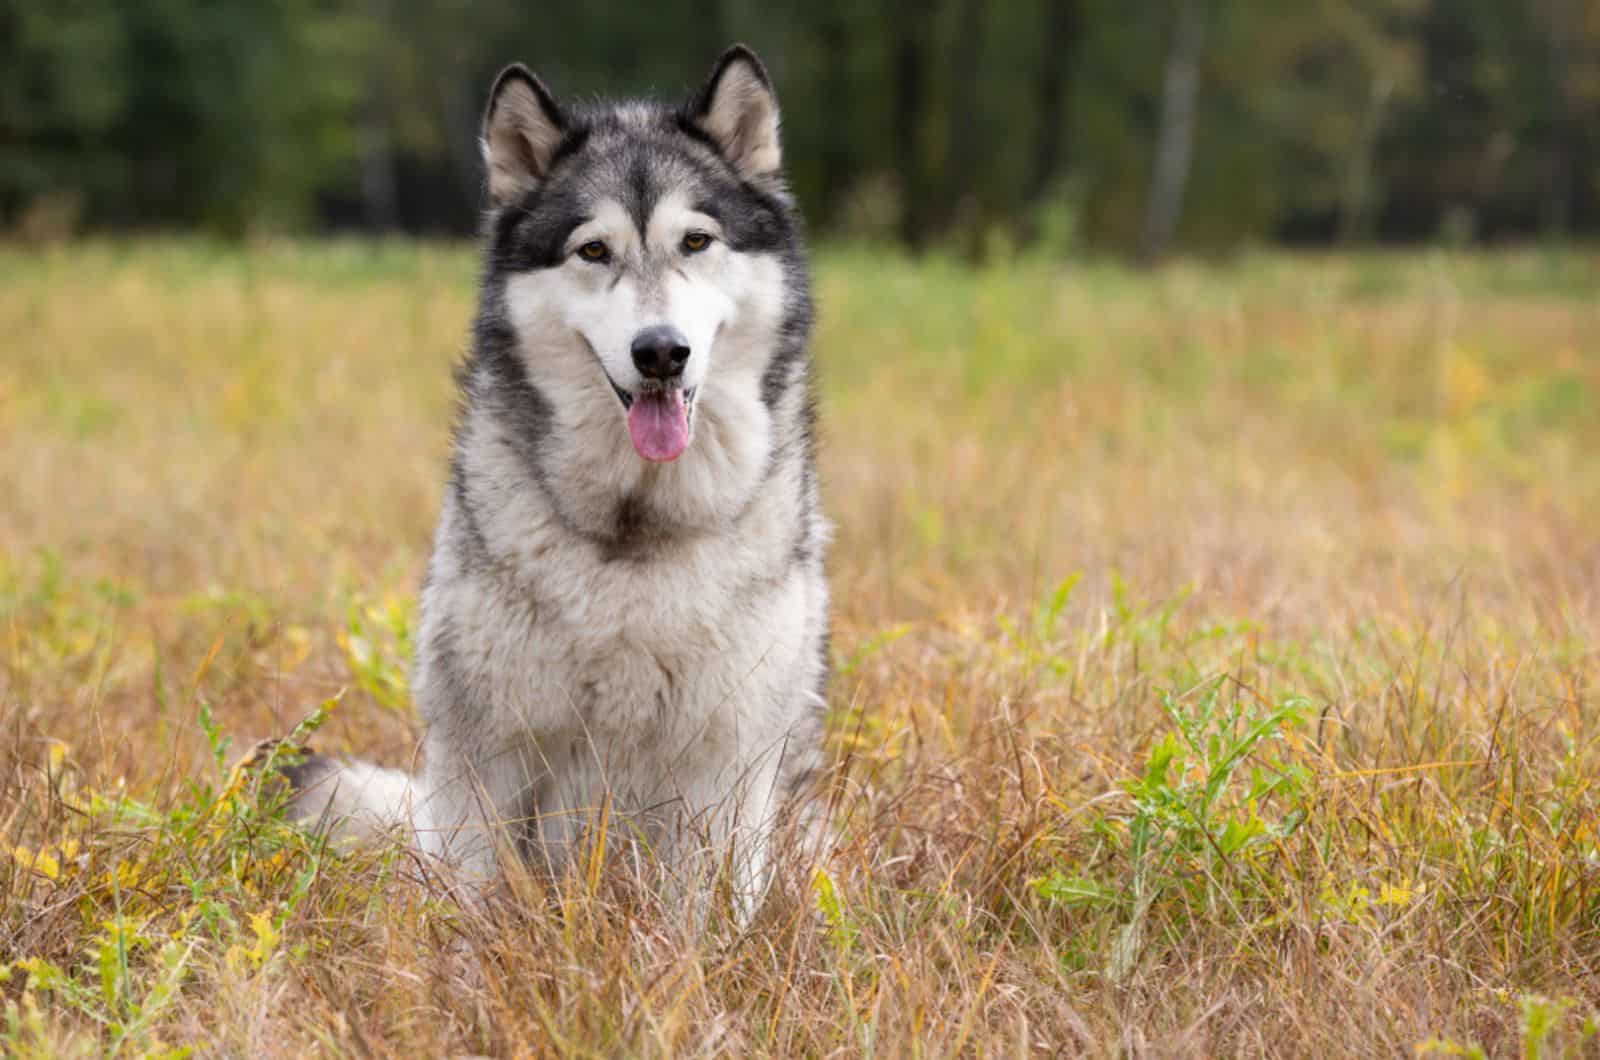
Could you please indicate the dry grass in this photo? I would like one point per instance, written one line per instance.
(1219, 670)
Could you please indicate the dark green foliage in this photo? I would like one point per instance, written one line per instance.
(935, 122)
(174, 112)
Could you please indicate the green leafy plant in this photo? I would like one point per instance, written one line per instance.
(215, 849)
(1199, 822)
(377, 647)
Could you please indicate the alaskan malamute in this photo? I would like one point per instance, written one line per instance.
(626, 604)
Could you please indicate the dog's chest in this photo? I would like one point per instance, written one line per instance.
(640, 645)
(657, 652)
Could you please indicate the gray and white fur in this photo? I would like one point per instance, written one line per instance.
(626, 603)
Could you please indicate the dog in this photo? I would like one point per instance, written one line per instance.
(626, 605)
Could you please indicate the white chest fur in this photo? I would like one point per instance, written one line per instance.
(674, 674)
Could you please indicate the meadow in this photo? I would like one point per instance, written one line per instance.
(1217, 669)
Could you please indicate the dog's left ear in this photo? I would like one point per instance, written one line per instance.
(522, 128)
(739, 111)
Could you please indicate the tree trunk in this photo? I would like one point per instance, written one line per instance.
(1175, 143)
(960, 194)
(837, 156)
(1050, 93)
(1559, 28)
(379, 198)
(458, 103)
(911, 31)
(1358, 182)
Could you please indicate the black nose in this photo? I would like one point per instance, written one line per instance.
(659, 352)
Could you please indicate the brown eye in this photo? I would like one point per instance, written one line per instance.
(695, 242)
(594, 251)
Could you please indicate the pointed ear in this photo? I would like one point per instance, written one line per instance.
(522, 128)
(738, 110)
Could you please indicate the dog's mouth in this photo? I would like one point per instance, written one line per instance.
(659, 417)
(660, 414)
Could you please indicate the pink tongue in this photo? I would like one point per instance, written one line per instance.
(658, 422)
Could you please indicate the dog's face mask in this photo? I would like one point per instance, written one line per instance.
(639, 246)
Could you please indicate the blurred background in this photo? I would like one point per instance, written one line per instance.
(1216, 646)
(1131, 128)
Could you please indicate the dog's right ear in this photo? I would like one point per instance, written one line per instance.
(738, 110)
(521, 130)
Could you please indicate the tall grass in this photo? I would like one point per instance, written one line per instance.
(1217, 662)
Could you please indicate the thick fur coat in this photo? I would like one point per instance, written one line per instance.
(626, 605)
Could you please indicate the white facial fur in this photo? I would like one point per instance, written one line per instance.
(644, 283)
(729, 305)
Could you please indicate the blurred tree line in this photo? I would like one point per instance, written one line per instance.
(1129, 126)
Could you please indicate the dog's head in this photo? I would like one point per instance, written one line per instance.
(643, 249)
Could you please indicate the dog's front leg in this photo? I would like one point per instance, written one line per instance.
(469, 800)
(743, 815)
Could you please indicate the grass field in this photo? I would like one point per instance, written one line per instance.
(1218, 669)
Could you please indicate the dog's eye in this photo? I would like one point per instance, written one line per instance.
(695, 242)
(594, 251)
